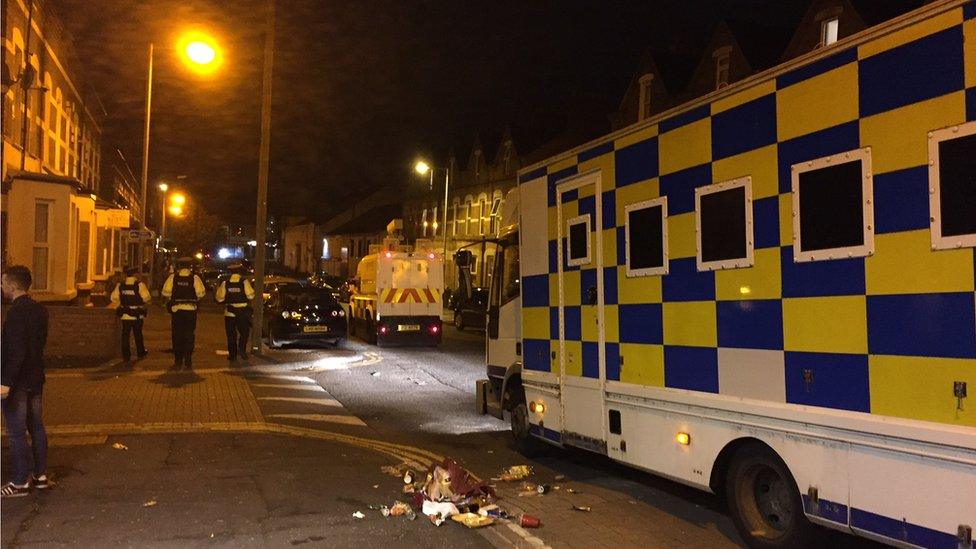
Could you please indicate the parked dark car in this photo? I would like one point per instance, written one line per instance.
(471, 313)
(336, 284)
(301, 312)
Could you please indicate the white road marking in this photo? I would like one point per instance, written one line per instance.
(315, 388)
(319, 401)
(300, 379)
(324, 418)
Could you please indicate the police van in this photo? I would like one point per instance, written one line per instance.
(767, 293)
(397, 295)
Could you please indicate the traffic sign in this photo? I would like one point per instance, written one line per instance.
(136, 235)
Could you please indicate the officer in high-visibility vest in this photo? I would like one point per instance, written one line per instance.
(236, 294)
(131, 297)
(184, 290)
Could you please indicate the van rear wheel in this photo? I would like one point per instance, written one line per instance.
(764, 501)
(527, 445)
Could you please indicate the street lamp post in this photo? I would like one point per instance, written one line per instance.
(262, 200)
(423, 168)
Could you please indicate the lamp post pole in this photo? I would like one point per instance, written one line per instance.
(447, 182)
(262, 200)
(145, 159)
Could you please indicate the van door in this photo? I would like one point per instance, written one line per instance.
(581, 334)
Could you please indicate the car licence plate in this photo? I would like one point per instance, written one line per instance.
(408, 327)
(315, 329)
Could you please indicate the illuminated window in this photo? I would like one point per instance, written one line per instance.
(647, 237)
(833, 216)
(952, 163)
(829, 31)
(723, 217)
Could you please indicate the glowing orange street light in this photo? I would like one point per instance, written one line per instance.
(178, 199)
(199, 52)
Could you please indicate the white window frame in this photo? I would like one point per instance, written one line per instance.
(936, 137)
(735, 263)
(585, 218)
(825, 38)
(723, 66)
(45, 244)
(648, 271)
(867, 204)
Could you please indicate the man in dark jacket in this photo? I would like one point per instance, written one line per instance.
(22, 373)
(236, 294)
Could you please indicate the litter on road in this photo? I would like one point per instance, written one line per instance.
(359, 515)
(150, 503)
(515, 472)
(584, 508)
(120, 446)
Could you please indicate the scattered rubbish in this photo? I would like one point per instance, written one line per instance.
(544, 488)
(409, 488)
(375, 374)
(150, 503)
(473, 520)
(528, 489)
(120, 446)
(584, 508)
(573, 491)
(400, 509)
(408, 477)
(436, 520)
(528, 521)
(375, 507)
(395, 470)
(559, 478)
(515, 472)
(491, 451)
(444, 508)
(359, 515)
(375, 486)
(221, 352)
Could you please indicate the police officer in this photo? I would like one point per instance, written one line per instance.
(184, 289)
(131, 296)
(236, 294)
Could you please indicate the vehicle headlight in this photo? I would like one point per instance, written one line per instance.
(296, 315)
(342, 312)
(285, 314)
(335, 313)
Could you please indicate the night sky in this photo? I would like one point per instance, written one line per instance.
(363, 87)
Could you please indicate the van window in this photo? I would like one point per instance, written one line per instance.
(578, 230)
(646, 237)
(832, 213)
(724, 222)
(952, 163)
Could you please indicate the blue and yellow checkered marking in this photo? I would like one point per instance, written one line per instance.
(886, 334)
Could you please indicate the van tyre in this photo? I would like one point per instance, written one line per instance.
(527, 445)
(764, 501)
(458, 320)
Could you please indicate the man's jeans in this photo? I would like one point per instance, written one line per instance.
(22, 412)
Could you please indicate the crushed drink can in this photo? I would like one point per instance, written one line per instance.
(528, 521)
(543, 488)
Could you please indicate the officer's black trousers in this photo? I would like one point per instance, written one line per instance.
(135, 328)
(238, 327)
(184, 325)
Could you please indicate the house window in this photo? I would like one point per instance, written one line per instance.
(724, 222)
(722, 62)
(833, 216)
(952, 163)
(424, 223)
(39, 267)
(434, 223)
(829, 31)
(644, 100)
(578, 229)
(647, 237)
(84, 249)
(454, 218)
(466, 216)
(496, 207)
